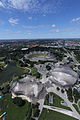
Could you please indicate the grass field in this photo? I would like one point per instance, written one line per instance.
(56, 101)
(76, 107)
(2, 64)
(33, 70)
(37, 55)
(51, 115)
(14, 112)
(22, 113)
(2, 58)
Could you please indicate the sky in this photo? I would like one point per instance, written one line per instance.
(32, 19)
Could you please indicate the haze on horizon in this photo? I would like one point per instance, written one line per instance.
(32, 19)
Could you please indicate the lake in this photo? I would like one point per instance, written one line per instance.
(9, 71)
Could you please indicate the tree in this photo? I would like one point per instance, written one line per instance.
(79, 104)
(37, 113)
(58, 88)
(6, 89)
(32, 64)
(19, 102)
(76, 95)
(38, 75)
(62, 90)
(69, 94)
(48, 67)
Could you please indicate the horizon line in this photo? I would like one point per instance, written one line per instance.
(36, 39)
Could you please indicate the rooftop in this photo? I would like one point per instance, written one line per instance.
(64, 76)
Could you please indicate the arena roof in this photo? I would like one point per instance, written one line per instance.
(27, 87)
(64, 76)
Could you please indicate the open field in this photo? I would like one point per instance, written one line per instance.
(2, 58)
(14, 112)
(32, 69)
(37, 55)
(51, 115)
(2, 64)
(76, 107)
(56, 101)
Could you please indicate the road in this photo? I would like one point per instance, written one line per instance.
(64, 97)
(60, 110)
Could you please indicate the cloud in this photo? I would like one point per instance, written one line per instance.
(43, 6)
(44, 15)
(18, 4)
(53, 25)
(76, 19)
(1, 4)
(39, 26)
(21, 4)
(29, 18)
(70, 29)
(55, 30)
(13, 21)
(29, 33)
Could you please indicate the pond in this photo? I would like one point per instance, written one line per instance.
(9, 71)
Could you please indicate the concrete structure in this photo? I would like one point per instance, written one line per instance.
(34, 90)
(28, 89)
(43, 56)
(64, 76)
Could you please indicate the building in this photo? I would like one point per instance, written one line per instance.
(64, 76)
(28, 89)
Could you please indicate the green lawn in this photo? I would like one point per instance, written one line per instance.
(76, 107)
(33, 70)
(2, 58)
(56, 101)
(14, 112)
(37, 55)
(51, 115)
(2, 64)
(19, 113)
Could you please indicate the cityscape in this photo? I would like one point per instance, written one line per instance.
(42, 77)
(39, 59)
